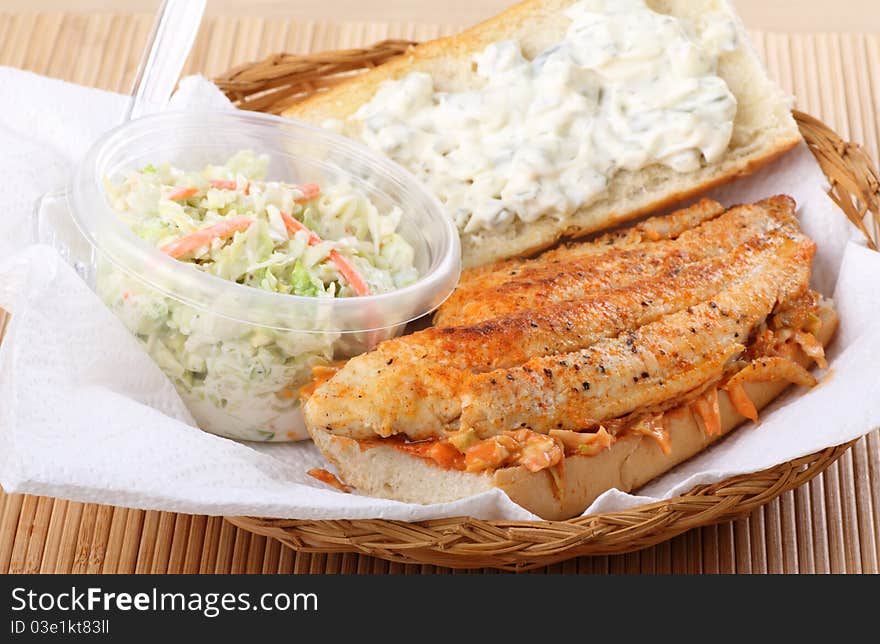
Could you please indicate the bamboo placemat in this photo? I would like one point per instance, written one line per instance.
(830, 525)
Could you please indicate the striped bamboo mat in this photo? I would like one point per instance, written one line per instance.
(829, 525)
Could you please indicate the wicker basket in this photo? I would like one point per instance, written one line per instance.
(278, 82)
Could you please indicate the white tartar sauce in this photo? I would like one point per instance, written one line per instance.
(626, 88)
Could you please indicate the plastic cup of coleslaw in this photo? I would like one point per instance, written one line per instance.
(238, 354)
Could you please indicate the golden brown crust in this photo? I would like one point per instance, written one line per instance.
(643, 366)
(636, 459)
(628, 464)
(570, 273)
(415, 384)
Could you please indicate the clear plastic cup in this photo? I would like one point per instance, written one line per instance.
(257, 346)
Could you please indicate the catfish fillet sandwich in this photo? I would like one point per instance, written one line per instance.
(594, 366)
(564, 117)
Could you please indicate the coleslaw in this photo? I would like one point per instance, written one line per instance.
(242, 380)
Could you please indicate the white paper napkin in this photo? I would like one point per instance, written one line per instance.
(86, 415)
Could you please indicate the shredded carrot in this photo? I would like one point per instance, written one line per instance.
(224, 184)
(294, 226)
(345, 267)
(741, 401)
(184, 192)
(192, 242)
(310, 191)
(229, 184)
(350, 273)
(706, 407)
(444, 454)
(329, 478)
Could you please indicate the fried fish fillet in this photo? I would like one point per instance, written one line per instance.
(412, 385)
(640, 368)
(570, 276)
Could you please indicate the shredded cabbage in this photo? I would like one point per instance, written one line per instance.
(242, 380)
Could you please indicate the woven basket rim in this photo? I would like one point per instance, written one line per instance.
(277, 82)
(467, 542)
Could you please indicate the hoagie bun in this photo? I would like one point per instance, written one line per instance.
(762, 128)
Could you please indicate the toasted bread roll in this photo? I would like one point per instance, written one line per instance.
(763, 127)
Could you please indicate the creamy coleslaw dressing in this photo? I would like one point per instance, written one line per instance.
(626, 88)
(242, 380)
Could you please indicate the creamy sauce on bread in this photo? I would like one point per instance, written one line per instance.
(626, 88)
